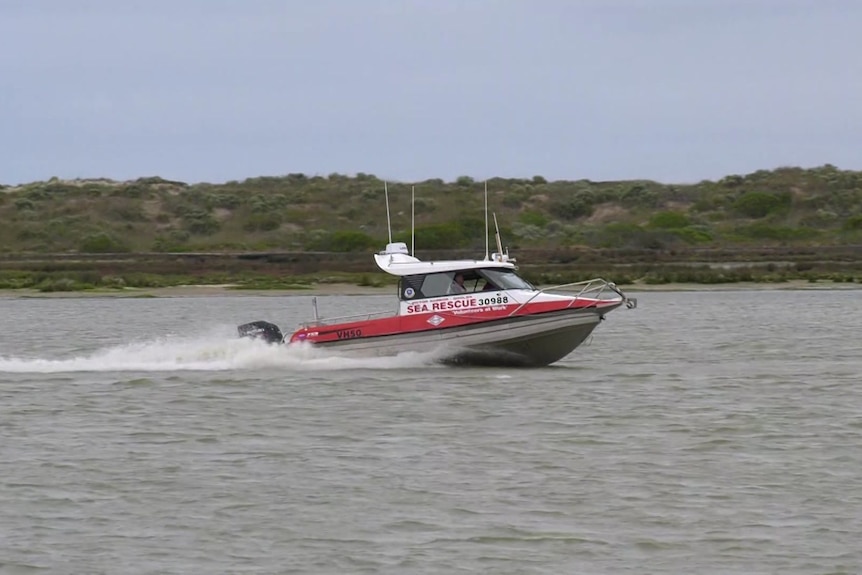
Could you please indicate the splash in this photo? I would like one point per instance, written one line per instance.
(210, 354)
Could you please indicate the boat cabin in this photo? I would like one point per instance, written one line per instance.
(438, 279)
(459, 281)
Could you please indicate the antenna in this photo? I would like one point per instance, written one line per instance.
(497, 235)
(413, 221)
(486, 221)
(388, 222)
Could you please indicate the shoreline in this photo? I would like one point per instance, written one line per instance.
(337, 289)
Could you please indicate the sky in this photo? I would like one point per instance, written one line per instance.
(216, 90)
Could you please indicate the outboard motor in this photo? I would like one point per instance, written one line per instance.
(268, 332)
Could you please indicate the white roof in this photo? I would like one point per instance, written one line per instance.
(399, 264)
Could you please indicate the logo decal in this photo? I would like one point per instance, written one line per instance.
(408, 293)
(435, 320)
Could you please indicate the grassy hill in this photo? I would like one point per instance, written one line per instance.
(778, 212)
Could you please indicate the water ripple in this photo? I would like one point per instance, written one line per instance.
(683, 439)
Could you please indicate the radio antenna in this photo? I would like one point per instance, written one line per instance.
(499, 243)
(388, 222)
(413, 221)
(486, 221)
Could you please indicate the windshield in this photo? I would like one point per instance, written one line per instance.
(506, 279)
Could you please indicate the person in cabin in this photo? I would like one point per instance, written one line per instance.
(457, 284)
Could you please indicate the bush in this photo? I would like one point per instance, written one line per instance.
(639, 195)
(669, 220)
(262, 203)
(440, 236)
(529, 232)
(32, 233)
(533, 218)
(732, 181)
(61, 284)
(17, 279)
(853, 223)
(24, 204)
(173, 241)
(262, 222)
(371, 195)
(370, 281)
(762, 231)
(115, 282)
(622, 235)
(201, 222)
(225, 201)
(134, 190)
(101, 243)
(693, 235)
(760, 204)
(579, 206)
(345, 241)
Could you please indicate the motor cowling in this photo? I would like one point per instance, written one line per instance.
(268, 332)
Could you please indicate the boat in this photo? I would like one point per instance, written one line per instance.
(467, 312)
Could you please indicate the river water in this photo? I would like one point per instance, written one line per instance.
(704, 432)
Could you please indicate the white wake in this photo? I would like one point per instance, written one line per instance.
(208, 354)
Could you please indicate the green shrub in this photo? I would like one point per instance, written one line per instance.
(31, 233)
(17, 279)
(371, 195)
(669, 220)
(760, 204)
(853, 223)
(529, 232)
(101, 243)
(24, 204)
(580, 206)
(225, 201)
(516, 197)
(534, 218)
(265, 203)
(262, 222)
(172, 241)
(62, 284)
(345, 241)
(366, 280)
(134, 190)
(639, 195)
(115, 282)
(732, 181)
(623, 235)
(439, 236)
(762, 231)
(201, 223)
(693, 235)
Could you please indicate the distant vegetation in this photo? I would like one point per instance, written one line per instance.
(783, 209)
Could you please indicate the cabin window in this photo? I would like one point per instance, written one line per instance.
(443, 284)
(506, 279)
(438, 284)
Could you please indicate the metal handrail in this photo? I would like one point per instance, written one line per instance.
(594, 288)
(340, 319)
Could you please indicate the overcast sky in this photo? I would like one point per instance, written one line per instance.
(216, 90)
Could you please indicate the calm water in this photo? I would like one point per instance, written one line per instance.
(716, 432)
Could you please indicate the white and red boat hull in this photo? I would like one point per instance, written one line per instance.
(533, 334)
